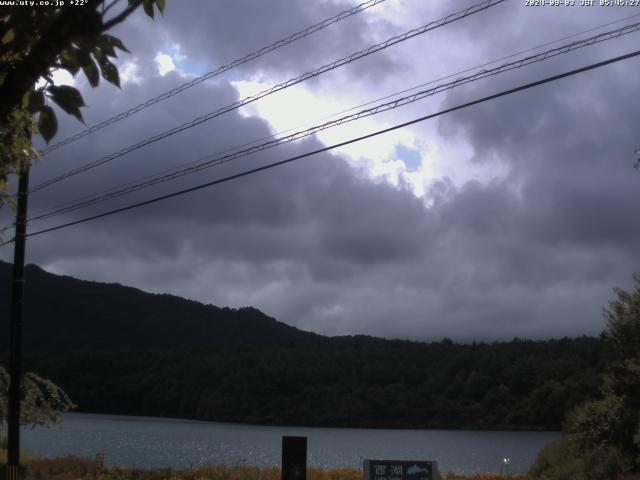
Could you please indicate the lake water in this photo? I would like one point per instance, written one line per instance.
(154, 442)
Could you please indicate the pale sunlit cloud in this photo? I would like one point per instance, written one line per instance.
(165, 63)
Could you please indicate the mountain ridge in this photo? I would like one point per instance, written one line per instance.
(120, 350)
(63, 312)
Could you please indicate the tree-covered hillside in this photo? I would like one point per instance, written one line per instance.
(118, 350)
(63, 313)
(383, 384)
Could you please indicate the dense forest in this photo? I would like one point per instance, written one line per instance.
(387, 384)
(116, 349)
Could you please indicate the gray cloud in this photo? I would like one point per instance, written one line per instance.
(318, 244)
(210, 35)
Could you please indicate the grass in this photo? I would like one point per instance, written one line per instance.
(73, 468)
(25, 457)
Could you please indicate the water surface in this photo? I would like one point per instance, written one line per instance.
(154, 442)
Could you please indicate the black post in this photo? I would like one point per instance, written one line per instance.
(294, 458)
(15, 330)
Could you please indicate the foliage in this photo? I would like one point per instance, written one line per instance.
(73, 468)
(119, 350)
(24, 456)
(623, 338)
(35, 41)
(602, 436)
(15, 144)
(481, 476)
(597, 424)
(42, 400)
(562, 460)
(346, 383)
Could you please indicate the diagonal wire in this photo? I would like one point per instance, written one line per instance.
(224, 68)
(306, 76)
(334, 146)
(210, 162)
(355, 107)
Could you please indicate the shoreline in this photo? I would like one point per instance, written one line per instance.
(77, 468)
(149, 442)
(328, 427)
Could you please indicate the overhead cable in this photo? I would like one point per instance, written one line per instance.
(334, 146)
(213, 160)
(247, 100)
(224, 68)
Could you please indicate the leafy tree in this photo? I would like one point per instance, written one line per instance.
(597, 424)
(36, 41)
(42, 400)
(623, 340)
(602, 436)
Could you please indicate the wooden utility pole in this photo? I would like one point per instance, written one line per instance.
(13, 470)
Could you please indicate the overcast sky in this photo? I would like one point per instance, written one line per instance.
(515, 217)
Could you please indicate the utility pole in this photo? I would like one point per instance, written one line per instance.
(13, 470)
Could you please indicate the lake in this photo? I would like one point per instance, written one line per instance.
(156, 442)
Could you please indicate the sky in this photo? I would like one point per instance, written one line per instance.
(512, 218)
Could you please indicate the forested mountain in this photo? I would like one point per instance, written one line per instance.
(63, 313)
(116, 349)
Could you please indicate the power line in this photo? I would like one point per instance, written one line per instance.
(116, 191)
(370, 102)
(431, 82)
(306, 76)
(224, 68)
(337, 145)
(179, 172)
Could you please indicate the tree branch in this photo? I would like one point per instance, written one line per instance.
(72, 22)
(109, 7)
(122, 16)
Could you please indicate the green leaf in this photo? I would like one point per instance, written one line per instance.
(90, 69)
(114, 42)
(69, 60)
(33, 100)
(67, 98)
(106, 46)
(148, 7)
(161, 5)
(47, 123)
(8, 37)
(109, 70)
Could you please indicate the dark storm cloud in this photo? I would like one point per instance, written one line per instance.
(561, 221)
(226, 32)
(318, 244)
(213, 34)
(320, 220)
(570, 148)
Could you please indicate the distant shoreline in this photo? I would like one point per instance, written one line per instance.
(149, 442)
(240, 424)
(242, 366)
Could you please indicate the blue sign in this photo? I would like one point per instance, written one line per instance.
(400, 470)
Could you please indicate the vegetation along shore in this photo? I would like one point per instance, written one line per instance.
(74, 468)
